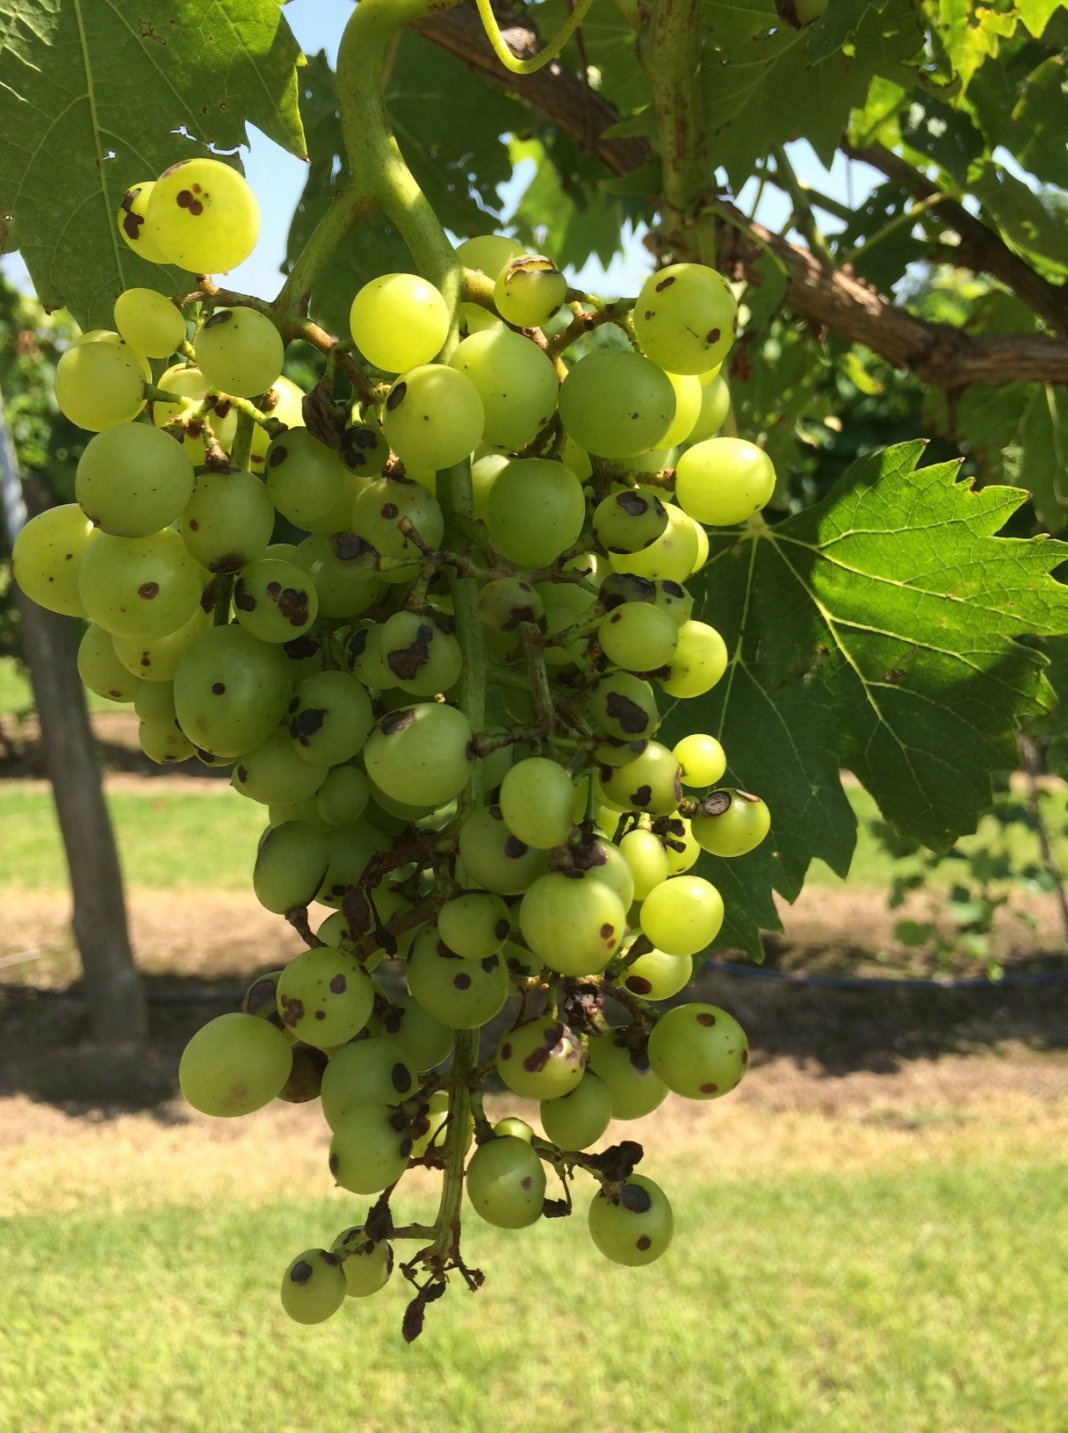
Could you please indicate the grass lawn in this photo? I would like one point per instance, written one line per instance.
(890, 1299)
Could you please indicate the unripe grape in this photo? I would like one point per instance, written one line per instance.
(702, 759)
(635, 1088)
(506, 1182)
(516, 382)
(504, 602)
(101, 670)
(156, 659)
(100, 381)
(227, 523)
(623, 706)
(698, 663)
(616, 403)
(164, 743)
(204, 216)
(366, 1265)
(723, 481)
(488, 253)
(290, 865)
(421, 654)
(149, 322)
(685, 318)
(399, 321)
(682, 915)
(638, 637)
(370, 1148)
(239, 351)
(474, 924)
(529, 290)
(233, 1065)
(650, 783)
(372, 1071)
(493, 857)
(330, 718)
(715, 405)
(576, 1120)
(133, 480)
(230, 690)
(629, 520)
(536, 802)
(140, 586)
(463, 994)
(645, 855)
(133, 223)
(542, 1059)
(731, 823)
(306, 480)
(688, 398)
(657, 975)
(573, 922)
(433, 416)
(47, 556)
(699, 1051)
(274, 600)
(672, 557)
(633, 1227)
(190, 389)
(419, 755)
(274, 774)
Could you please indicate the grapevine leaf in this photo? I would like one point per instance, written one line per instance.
(972, 34)
(1032, 228)
(877, 631)
(94, 99)
(1021, 431)
(839, 22)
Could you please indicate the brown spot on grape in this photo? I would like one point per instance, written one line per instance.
(395, 722)
(220, 316)
(291, 1011)
(636, 1199)
(338, 985)
(462, 981)
(641, 797)
(243, 598)
(501, 929)
(398, 1121)
(401, 1077)
(405, 1148)
(709, 1088)
(389, 511)
(406, 662)
(396, 396)
(194, 526)
(525, 1182)
(515, 849)
(644, 1243)
(665, 283)
(148, 590)
(745, 1057)
(320, 1015)
(218, 688)
(712, 336)
(632, 718)
(306, 723)
(536, 1061)
(607, 930)
(188, 200)
(506, 1050)
(335, 1164)
(706, 1018)
(301, 1271)
(242, 773)
(638, 984)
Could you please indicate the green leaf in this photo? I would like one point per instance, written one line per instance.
(1021, 431)
(839, 22)
(937, 131)
(96, 96)
(878, 632)
(1036, 14)
(972, 34)
(1026, 222)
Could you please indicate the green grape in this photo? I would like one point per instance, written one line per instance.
(377, 514)
(504, 602)
(370, 1148)
(204, 216)
(462, 994)
(364, 449)
(420, 754)
(723, 481)
(239, 351)
(699, 1051)
(536, 802)
(635, 1088)
(629, 520)
(274, 774)
(132, 480)
(46, 558)
(682, 915)
(305, 480)
(645, 855)
(638, 637)
(474, 924)
(567, 608)
(715, 405)
(624, 707)
(149, 322)
(228, 521)
(488, 252)
(343, 796)
(506, 1182)
(425, 1040)
(658, 976)
(133, 224)
(366, 1265)
(535, 511)
(522, 964)
(345, 587)
(230, 690)
(101, 670)
(374, 1071)
(616, 403)
(672, 557)
(573, 922)
(192, 403)
(433, 417)
(683, 850)
(350, 848)
(305, 1078)
(731, 823)
(650, 783)
(289, 869)
(542, 1059)
(164, 743)
(275, 600)
(154, 701)
(605, 862)
(100, 381)
(495, 859)
(324, 997)
(140, 586)
(279, 812)
(515, 380)
(688, 397)
(284, 402)
(421, 653)
(484, 472)
(529, 290)
(685, 318)
(702, 759)
(699, 662)
(514, 1126)
(435, 1120)
(399, 321)
(234, 1064)
(632, 1227)
(330, 718)
(578, 1119)
(313, 1287)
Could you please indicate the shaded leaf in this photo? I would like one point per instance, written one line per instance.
(1023, 218)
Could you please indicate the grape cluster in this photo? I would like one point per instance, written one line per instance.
(449, 708)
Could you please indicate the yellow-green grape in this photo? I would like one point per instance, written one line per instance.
(350, 848)
(574, 923)
(723, 481)
(474, 924)
(607, 864)
(535, 511)
(274, 773)
(682, 915)
(330, 719)
(495, 859)
(101, 670)
(234, 1064)
(504, 602)
(731, 823)
(672, 557)
(542, 1059)
(515, 380)
(134, 225)
(514, 1126)
(536, 802)
(190, 388)
(289, 868)
(488, 253)
(283, 401)
(313, 1287)
(644, 853)
(701, 758)
(163, 742)
(699, 1051)
(426, 1040)
(343, 796)
(630, 519)
(366, 1265)
(685, 318)
(681, 847)
(715, 405)
(635, 1225)
(638, 637)
(430, 1129)
(576, 1120)
(227, 522)
(377, 514)
(529, 290)
(154, 701)
(399, 321)
(462, 994)
(688, 397)
(274, 600)
(421, 653)
(623, 706)
(345, 587)
(204, 216)
(140, 586)
(635, 1088)
(100, 381)
(133, 480)
(506, 1182)
(306, 480)
(149, 322)
(699, 661)
(650, 783)
(239, 351)
(420, 755)
(47, 556)
(433, 416)
(370, 1148)
(658, 976)
(156, 660)
(230, 690)
(373, 1071)
(616, 403)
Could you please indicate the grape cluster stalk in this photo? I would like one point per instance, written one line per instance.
(428, 614)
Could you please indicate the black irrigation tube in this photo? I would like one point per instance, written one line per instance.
(885, 982)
